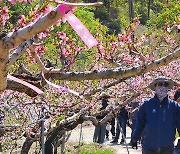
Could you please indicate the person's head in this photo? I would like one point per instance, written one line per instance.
(177, 95)
(161, 85)
(103, 95)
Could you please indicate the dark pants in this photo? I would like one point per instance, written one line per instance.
(133, 127)
(122, 123)
(99, 133)
(161, 151)
(112, 123)
(176, 151)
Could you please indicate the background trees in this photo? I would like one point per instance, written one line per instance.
(35, 39)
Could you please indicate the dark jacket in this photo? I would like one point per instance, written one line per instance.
(123, 114)
(158, 122)
(133, 115)
(104, 105)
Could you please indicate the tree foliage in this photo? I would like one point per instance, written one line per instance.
(39, 46)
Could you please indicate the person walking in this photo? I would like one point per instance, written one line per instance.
(122, 119)
(158, 119)
(100, 131)
(132, 117)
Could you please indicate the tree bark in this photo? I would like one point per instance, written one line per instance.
(27, 145)
(15, 38)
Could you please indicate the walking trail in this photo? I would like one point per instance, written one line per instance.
(87, 137)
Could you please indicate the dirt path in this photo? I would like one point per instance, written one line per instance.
(87, 137)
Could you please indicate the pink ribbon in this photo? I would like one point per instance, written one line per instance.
(61, 88)
(36, 89)
(63, 9)
(78, 26)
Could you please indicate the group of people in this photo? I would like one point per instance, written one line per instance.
(126, 116)
(156, 122)
(101, 132)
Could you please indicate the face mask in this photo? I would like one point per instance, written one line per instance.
(161, 92)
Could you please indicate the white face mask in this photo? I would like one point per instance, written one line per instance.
(161, 92)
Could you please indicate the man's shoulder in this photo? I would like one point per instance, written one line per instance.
(173, 102)
(147, 101)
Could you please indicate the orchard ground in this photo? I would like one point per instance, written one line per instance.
(87, 137)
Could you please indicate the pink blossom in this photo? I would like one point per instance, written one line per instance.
(3, 22)
(41, 35)
(21, 20)
(78, 49)
(4, 15)
(40, 50)
(138, 43)
(58, 22)
(65, 52)
(47, 9)
(178, 27)
(169, 40)
(29, 23)
(5, 10)
(127, 59)
(127, 39)
(121, 44)
(36, 9)
(101, 47)
(61, 35)
(36, 17)
(63, 43)
(137, 23)
(20, 1)
(114, 45)
(12, 1)
(121, 37)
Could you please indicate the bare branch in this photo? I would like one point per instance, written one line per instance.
(117, 73)
(19, 51)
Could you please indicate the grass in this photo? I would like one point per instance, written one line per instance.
(73, 148)
(99, 151)
(92, 148)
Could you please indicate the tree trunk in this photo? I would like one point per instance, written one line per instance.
(131, 10)
(27, 145)
(53, 139)
(149, 6)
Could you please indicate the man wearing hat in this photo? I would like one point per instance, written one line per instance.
(158, 119)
